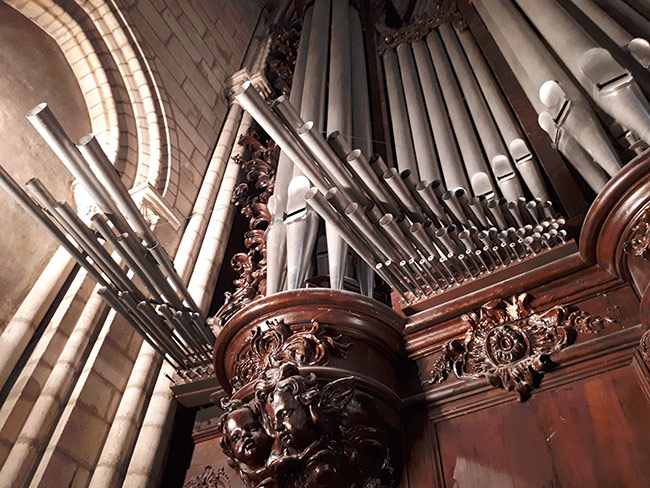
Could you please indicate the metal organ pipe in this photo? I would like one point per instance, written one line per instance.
(495, 150)
(504, 118)
(534, 66)
(399, 118)
(477, 170)
(451, 164)
(361, 124)
(425, 153)
(609, 84)
(276, 243)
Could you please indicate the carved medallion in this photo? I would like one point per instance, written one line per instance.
(275, 343)
(297, 434)
(510, 345)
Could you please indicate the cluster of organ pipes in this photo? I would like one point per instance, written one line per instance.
(157, 304)
(557, 89)
(419, 237)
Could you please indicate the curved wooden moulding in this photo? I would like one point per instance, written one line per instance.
(313, 390)
(615, 233)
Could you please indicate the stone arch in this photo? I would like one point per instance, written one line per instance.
(127, 106)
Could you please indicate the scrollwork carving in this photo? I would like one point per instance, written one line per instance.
(644, 346)
(297, 434)
(638, 243)
(510, 344)
(419, 26)
(276, 343)
(209, 479)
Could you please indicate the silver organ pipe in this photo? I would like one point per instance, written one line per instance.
(506, 178)
(425, 153)
(477, 170)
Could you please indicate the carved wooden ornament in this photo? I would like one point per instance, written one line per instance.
(510, 345)
(209, 478)
(275, 343)
(297, 434)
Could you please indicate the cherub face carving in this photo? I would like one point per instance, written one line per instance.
(291, 420)
(249, 443)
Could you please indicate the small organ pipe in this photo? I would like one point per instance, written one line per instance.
(425, 153)
(477, 170)
(445, 140)
(404, 151)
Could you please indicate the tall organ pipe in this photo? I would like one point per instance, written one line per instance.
(312, 107)
(533, 65)
(477, 170)
(400, 124)
(495, 150)
(361, 124)
(610, 85)
(425, 153)
(508, 127)
(445, 141)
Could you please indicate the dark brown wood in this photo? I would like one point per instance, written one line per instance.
(556, 170)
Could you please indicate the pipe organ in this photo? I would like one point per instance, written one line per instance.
(484, 164)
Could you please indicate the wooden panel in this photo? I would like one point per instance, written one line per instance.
(589, 433)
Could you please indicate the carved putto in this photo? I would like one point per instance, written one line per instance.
(275, 343)
(510, 344)
(295, 433)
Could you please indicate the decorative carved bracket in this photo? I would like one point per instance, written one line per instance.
(277, 343)
(297, 434)
(510, 344)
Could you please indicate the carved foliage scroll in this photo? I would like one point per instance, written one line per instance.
(418, 27)
(297, 434)
(210, 478)
(639, 242)
(275, 343)
(510, 344)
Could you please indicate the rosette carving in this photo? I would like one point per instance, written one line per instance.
(276, 343)
(510, 344)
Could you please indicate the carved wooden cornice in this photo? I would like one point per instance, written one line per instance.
(510, 344)
(418, 27)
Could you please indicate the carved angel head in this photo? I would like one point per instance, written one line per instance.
(244, 440)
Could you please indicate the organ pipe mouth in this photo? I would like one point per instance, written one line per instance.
(306, 127)
(354, 154)
(386, 219)
(37, 109)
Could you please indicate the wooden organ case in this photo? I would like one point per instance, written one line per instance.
(533, 373)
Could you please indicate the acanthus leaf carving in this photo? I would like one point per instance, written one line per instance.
(509, 344)
(638, 244)
(276, 343)
(209, 478)
(297, 434)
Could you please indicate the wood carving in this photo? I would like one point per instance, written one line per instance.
(510, 344)
(297, 434)
(276, 343)
(418, 27)
(639, 242)
(644, 346)
(209, 479)
(252, 197)
(260, 168)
